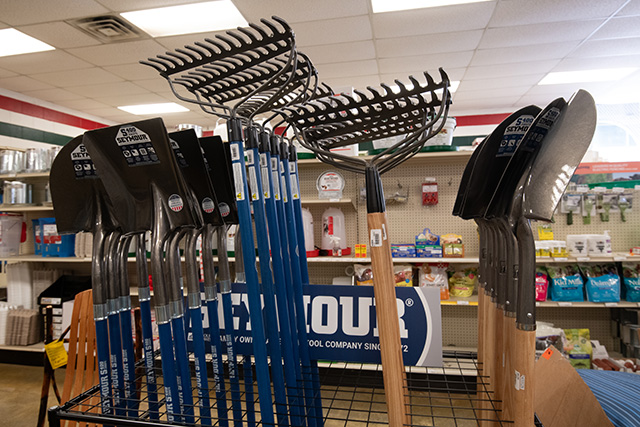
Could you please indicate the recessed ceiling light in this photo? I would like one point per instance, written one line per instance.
(14, 42)
(380, 6)
(603, 75)
(186, 19)
(142, 109)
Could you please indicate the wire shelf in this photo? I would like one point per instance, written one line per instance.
(352, 396)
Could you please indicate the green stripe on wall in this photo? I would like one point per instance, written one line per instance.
(31, 134)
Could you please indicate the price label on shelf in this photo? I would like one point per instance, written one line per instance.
(463, 302)
(610, 304)
(619, 258)
(565, 304)
(583, 259)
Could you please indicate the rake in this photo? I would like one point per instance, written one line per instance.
(416, 111)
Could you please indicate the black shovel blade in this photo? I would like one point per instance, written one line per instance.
(493, 160)
(464, 181)
(564, 147)
(131, 159)
(523, 157)
(218, 162)
(76, 190)
(194, 170)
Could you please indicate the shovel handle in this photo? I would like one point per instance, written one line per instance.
(388, 323)
(521, 377)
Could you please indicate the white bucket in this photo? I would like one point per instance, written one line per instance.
(445, 136)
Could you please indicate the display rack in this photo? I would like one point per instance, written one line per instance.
(450, 395)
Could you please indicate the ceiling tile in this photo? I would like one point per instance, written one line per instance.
(496, 83)
(128, 5)
(23, 84)
(521, 12)
(341, 52)
(33, 11)
(118, 53)
(431, 20)
(53, 95)
(425, 62)
(59, 34)
(103, 112)
(80, 77)
(621, 61)
(455, 74)
(174, 42)
(354, 68)
(551, 32)
(53, 60)
(428, 44)
(631, 9)
(350, 29)
(612, 47)
(506, 70)
(359, 82)
(516, 92)
(6, 73)
(506, 55)
(157, 84)
(476, 106)
(83, 104)
(619, 27)
(133, 71)
(141, 98)
(301, 10)
(107, 89)
(566, 90)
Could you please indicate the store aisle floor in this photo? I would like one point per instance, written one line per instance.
(20, 388)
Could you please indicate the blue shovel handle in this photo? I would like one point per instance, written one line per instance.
(184, 371)
(147, 345)
(216, 359)
(200, 365)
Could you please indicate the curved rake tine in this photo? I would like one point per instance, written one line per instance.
(151, 64)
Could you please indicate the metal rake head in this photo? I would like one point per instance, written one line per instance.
(416, 112)
(250, 57)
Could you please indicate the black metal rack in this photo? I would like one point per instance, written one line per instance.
(352, 395)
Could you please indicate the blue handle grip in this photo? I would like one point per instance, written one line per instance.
(171, 397)
(115, 352)
(200, 364)
(147, 345)
(102, 353)
(129, 364)
(184, 372)
(232, 360)
(216, 359)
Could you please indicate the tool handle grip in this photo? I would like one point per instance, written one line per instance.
(387, 319)
(521, 377)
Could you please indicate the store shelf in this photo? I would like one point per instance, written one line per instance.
(424, 157)
(325, 202)
(616, 257)
(469, 301)
(33, 348)
(25, 208)
(330, 259)
(587, 304)
(39, 258)
(40, 175)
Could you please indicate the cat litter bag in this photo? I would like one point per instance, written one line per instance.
(602, 282)
(566, 283)
(631, 280)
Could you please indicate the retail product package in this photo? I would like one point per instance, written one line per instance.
(543, 248)
(631, 279)
(435, 275)
(546, 336)
(577, 245)
(462, 281)
(562, 398)
(599, 244)
(566, 282)
(452, 245)
(427, 238)
(542, 283)
(557, 248)
(602, 282)
(403, 274)
(577, 346)
(403, 251)
(363, 274)
(429, 251)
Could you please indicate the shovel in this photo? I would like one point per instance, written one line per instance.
(86, 208)
(143, 182)
(542, 188)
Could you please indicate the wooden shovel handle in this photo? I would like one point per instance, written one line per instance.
(387, 320)
(521, 377)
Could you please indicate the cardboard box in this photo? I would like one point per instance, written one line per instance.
(562, 398)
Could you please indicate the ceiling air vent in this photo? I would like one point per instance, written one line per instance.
(108, 28)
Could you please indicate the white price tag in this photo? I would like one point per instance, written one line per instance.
(253, 182)
(565, 304)
(463, 302)
(376, 238)
(619, 258)
(538, 304)
(238, 181)
(583, 259)
(610, 304)
(561, 259)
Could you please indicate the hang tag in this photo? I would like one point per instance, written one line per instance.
(57, 354)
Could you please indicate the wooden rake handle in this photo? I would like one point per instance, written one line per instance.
(387, 320)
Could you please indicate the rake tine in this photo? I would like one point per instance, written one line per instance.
(209, 49)
(154, 66)
(190, 54)
(171, 60)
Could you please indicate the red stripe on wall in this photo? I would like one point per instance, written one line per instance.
(45, 113)
(484, 119)
(207, 133)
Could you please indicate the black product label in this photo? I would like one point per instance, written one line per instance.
(179, 156)
(136, 146)
(82, 163)
(513, 135)
(541, 128)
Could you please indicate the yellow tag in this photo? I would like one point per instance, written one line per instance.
(56, 353)
(545, 232)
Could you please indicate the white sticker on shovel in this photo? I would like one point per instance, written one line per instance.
(519, 381)
(238, 181)
(175, 203)
(376, 238)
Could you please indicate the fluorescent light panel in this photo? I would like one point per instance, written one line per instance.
(380, 6)
(14, 42)
(186, 19)
(602, 75)
(143, 109)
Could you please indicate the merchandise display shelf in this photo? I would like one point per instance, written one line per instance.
(26, 208)
(329, 202)
(36, 175)
(424, 157)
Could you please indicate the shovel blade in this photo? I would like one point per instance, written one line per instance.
(565, 146)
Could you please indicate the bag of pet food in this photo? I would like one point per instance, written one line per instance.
(577, 345)
(542, 283)
(566, 282)
(363, 274)
(462, 281)
(603, 282)
(435, 275)
(631, 279)
(403, 275)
